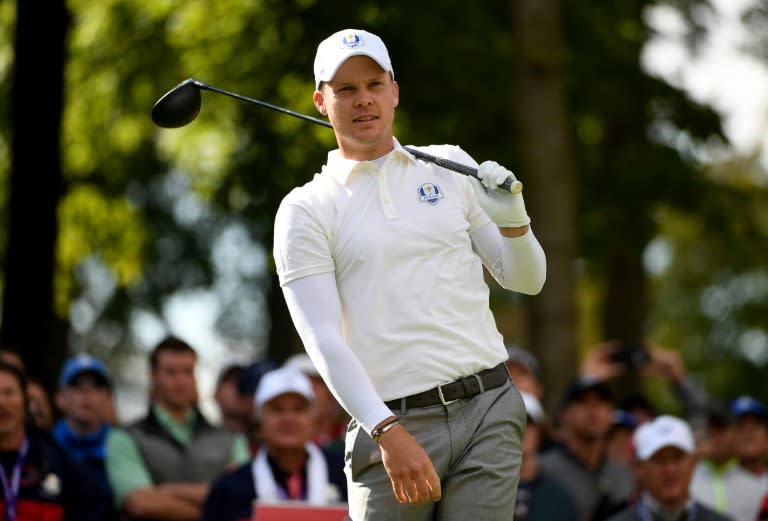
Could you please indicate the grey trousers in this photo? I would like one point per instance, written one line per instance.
(475, 446)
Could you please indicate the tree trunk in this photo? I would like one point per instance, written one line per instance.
(547, 172)
(28, 317)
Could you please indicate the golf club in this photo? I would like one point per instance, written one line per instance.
(181, 105)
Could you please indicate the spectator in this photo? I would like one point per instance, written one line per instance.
(716, 441)
(620, 437)
(664, 463)
(229, 400)
(40, 408)
(539, 497)
(247, 383)
(751, 435)
(288, 466)
(611, 359)
(161, 466)
(525, 371)
(38, 401)
(330, 418)
(11, 356)
(85, 388)
(719, 482)
(39, 480)
(599, 485)
(763, 514)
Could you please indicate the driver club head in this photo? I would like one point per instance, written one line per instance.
(179, 106)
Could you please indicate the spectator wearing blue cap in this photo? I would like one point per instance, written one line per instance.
(751, 435)
(620, 436)
(84, 398)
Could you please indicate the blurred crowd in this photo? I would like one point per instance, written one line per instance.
(599, 455)
(611, 456)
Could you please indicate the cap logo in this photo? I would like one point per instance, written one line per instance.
(429, 193)
(351, 41)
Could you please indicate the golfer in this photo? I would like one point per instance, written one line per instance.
(381, 258)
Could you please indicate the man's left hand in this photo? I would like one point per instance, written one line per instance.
(506, 209)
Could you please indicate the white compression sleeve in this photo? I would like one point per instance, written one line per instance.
(313, 302)
(517, 263)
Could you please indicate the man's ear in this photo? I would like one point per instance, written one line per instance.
(60, 400)
(396, 88)
(319, 101)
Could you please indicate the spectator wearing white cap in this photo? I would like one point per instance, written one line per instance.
(539, 496)
(330, 419)
(664, 463)
(287, 466)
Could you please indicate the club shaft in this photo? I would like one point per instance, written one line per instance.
(510, 184)
(264, 104)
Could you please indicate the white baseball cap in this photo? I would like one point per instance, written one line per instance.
(664, 431)
(342, 45)
(283, 380)
(533, 407)
(302, 363)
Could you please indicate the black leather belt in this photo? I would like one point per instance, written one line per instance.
(465, 387)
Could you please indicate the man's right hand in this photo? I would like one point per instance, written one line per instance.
(409, 468)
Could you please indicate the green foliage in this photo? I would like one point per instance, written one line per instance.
(712, 295)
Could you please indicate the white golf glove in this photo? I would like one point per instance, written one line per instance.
(506, 209)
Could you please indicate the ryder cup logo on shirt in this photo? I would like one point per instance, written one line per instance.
(430, 193)
(51, 485)
(351, 41)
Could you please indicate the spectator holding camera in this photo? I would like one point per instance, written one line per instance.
(611, 359)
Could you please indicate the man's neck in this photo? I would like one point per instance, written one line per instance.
(589, 451)
(754, 466)
(12, 440)
(288, 459)
(360, 153)
(179, 414)
(668, 509)
(83, 428)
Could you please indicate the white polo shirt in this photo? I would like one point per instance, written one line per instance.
(414, 301)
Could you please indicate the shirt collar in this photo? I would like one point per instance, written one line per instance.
(341, 168)
(182, 432)
(657, 509)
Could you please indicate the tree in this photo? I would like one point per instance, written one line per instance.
(36, 185)
(545, 162)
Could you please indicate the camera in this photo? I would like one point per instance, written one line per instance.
(631, 355)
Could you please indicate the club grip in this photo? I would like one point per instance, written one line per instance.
(511, 185)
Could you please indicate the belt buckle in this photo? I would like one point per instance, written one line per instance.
(442, 396)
